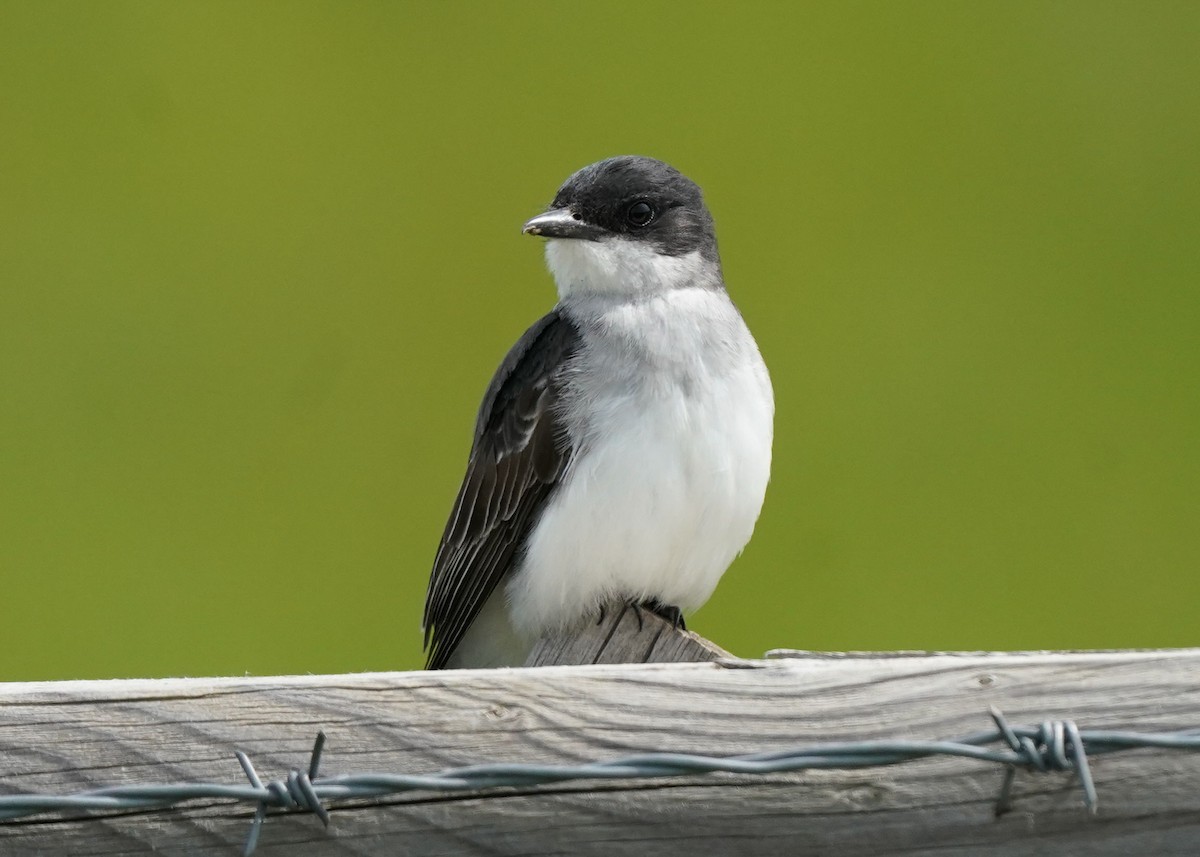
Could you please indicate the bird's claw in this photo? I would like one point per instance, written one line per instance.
(667, 612)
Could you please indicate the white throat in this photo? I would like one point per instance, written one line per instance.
(618, 266)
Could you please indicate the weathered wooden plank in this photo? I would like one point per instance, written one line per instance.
(624, 635)
(63, 737)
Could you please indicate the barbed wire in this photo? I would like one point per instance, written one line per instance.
(1052, 746)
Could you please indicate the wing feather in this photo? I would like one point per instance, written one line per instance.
(518, 456)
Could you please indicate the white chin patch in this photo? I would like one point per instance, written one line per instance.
(619, 266)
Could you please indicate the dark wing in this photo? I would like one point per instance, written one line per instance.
(520, 451)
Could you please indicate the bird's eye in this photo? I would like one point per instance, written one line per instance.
(640, 213)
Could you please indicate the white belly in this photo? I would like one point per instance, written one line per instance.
(674, 456)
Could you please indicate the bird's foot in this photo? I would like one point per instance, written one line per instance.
(667, 612)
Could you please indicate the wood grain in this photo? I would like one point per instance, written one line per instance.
(624, 635)
(64, 737)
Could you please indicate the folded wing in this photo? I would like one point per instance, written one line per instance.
(519, 454)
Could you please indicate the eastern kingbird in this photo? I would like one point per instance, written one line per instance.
(623, 448)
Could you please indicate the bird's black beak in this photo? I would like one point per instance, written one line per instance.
(562, 223)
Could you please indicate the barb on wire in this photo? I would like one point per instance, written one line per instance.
(1055, 739)
(296, 793)
(1052, 746)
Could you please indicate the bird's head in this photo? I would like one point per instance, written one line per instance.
(629, 225)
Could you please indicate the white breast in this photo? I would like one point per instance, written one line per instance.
(671, 414)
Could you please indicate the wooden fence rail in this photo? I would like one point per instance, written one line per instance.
(64, 737)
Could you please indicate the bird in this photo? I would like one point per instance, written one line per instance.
(622, 451)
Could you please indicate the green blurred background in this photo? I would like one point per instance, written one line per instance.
(259, 262)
